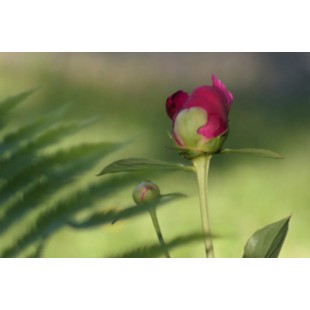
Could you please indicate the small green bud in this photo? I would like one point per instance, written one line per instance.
(145, 192)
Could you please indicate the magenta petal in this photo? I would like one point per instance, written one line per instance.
(210, 99)
(214, 127)
(175, 102)
(220, 86)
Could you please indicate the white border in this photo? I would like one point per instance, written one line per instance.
(128, 26)
(154, 284)
(162, 25)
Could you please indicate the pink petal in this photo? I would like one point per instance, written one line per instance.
(221, 87)
(210, 99)
(215, 126)
(175, 102)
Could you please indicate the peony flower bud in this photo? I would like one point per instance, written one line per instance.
(145, 192)
(200, 120)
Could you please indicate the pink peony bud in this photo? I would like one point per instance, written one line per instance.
(145, 192)
(200, 120)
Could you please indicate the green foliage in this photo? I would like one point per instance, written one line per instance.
(142, 164)
(249, 151)
(155, 250)
(112, 216)
(31, 177)
(10, 103)
(60, 214)
(70, 164)
(267, 242)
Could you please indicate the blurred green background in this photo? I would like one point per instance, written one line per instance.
(128, 92)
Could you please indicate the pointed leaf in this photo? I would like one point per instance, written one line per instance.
(155, 249)
(37, 253)
(56, 217)
(136, 210)
(267, 242)
(44, 167)
(81, 159)
(32, 131)
(26, 153)
(99, 218)
(11, 102)
(259, 152)
(142, 164)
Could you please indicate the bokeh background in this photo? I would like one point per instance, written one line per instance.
(128, 92)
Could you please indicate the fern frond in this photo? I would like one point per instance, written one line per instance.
(42, 167)
(57, 216)
(155, 249)
(29, 178)
(37, 252)
(10, 103)
(25, 154)
(29, 131)
(83, 158)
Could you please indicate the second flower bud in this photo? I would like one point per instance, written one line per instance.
(145, 192)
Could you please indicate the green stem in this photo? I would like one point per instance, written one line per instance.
(201, 165)
(158, 232)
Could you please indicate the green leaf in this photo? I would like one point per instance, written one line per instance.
(136, 210)
(45, 167)
(142, 164)
(11, 102)
(251, 151)
(267, 242)
(105, 217)
(26, 133)
(71, 164)
(37, 253)
(56, 217)
(26, 153)
(155, 250)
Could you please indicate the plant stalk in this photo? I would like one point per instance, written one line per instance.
(201, 165)
(158, 233)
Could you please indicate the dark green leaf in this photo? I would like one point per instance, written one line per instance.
(37, 253)
(136, 210)
(267, 242)
(11, 102)
(25, 154)
(142, 164)
(104, 217)
(31, 131)
(81, 159)
(155, 250)
(56, 217)
(259, 152)
(45, 167)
